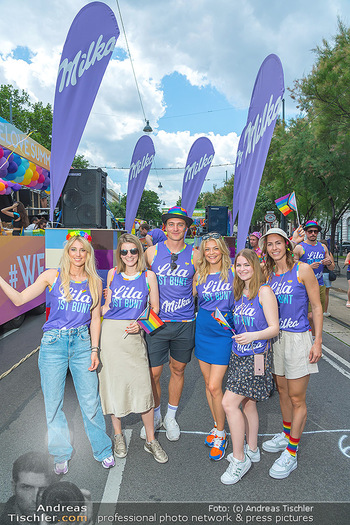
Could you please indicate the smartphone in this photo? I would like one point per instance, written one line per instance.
(259, 365)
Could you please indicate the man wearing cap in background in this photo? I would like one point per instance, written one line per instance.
(316, 255)
(254, 243)
(174, 263)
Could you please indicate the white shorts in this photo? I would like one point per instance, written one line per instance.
(290, 355)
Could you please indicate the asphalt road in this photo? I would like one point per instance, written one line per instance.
(324, 455)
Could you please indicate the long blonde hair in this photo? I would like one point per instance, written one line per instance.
(257, 278)
(128, 237)
(203, 266)
(90, 269)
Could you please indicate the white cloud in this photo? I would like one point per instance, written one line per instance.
(220, 44)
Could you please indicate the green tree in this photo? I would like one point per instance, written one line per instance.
(30, 116)
(148, 209)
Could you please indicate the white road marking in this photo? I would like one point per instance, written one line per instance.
(8, 333)
(337, 367)
(115, 475)
(336, 356)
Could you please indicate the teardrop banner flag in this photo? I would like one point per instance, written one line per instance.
(263, 112)
(88, 48)
(141, 162)
(236, 182)
(198, 163)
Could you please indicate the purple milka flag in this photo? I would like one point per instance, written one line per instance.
(88, 48)
(254, 146)
(236, 182)
(198, 163)
(141, 161)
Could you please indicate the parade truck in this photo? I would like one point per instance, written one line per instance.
(22, 259)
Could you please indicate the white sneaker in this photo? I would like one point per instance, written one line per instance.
(172, 428)
(157, 425)
(278, 443)
(283, 466)
(236, 470)
(253, 456)
(326, 314)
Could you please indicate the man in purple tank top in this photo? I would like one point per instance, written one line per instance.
(174, 263)
(315, 255)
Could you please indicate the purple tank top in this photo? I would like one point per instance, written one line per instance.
(175, 286)
(215, 293)
(314, 254)
(292, 300)
(129, 296)
(70, 314)
(248, 316)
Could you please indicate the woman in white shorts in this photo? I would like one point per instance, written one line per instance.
(295, 355)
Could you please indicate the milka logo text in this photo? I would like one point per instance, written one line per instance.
(83, 61)
(196, 167)
(140, 165)
(254, 132)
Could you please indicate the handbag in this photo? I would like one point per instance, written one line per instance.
(332, 275)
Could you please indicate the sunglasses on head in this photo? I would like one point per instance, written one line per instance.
(133, 251)
(173, 264)
(311, 231)
(213, 235)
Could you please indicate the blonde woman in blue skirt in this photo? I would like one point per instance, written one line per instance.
(213, 285)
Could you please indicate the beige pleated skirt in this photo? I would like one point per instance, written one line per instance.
(125, 381)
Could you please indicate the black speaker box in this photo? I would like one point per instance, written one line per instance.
(217, 219)
(84, 199)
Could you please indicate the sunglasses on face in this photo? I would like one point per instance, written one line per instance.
(311, 231)
(173, 264)
(133, 251)
(211, 236)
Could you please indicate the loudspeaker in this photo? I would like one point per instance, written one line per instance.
(217, 219)
(84, 199)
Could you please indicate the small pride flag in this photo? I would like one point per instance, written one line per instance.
(282, 204)
(221, 319)
(149, 321)
(292, 201)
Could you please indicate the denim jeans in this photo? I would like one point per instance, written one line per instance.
(59, 350)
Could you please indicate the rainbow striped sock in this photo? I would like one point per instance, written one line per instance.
(286, 428)
(293, 446)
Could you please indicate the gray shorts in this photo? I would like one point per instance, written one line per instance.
(175, 338)
(290, 355)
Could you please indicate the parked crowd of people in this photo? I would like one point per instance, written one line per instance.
(254, 322)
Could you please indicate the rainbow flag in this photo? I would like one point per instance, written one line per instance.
(149, 321)
(283, 205)
(217, 315)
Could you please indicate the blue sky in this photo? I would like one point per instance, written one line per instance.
(195, 62)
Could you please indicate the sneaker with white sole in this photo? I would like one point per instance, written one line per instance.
(209, 440)
(119, 446)
(154, 448)
(278, 443)
(283, 466)
(108, 462)
(253, 456)
(236, 470)
(326, 314)
(157, 425)
(172, 428)
(61, 468)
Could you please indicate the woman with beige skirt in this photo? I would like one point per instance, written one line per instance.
(125, 383)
